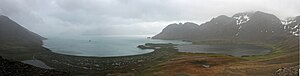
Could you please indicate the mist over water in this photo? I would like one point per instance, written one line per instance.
(102, 46)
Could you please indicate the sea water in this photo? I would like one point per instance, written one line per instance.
(102, 46)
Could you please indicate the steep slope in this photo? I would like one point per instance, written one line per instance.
(18, 43)
(13, 33)
(217, 28)
(291, 25)
(259, 26)
(184, 31)
(256, 26)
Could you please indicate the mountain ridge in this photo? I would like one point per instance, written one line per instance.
(13, 33)
(245, 26)
(186, 29)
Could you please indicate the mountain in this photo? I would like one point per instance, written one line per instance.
(258, 26)
(246, 26)
(18, 43)
(183, 31)
(291, 25)
(218, 28)
(13, 33)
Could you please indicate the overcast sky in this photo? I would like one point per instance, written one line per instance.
(111, 17)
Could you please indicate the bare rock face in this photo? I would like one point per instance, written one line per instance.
(12, 33)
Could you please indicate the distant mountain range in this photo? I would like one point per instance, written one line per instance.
(246, 26)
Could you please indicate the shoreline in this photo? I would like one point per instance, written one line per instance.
(106, 65)
(133, 64)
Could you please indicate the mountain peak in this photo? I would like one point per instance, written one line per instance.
(242, 17)
(186, 30)
(221, 19)
(262, 13)
(250, 13)
(222, 16)
(189, 23)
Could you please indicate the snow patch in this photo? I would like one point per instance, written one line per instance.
(288, 21)
(295, 27)
(242, 19)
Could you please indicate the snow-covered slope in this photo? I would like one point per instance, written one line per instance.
(291, 25)
(242, 17)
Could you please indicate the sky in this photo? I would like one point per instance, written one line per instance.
(129, 17)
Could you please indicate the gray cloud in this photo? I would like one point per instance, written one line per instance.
(94, 17)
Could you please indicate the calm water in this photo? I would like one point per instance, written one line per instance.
(234, 50)
(102, 46)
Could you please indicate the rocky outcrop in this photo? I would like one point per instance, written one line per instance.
(258, 26)
(15, 68)
(289, 71)
(218, 28)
